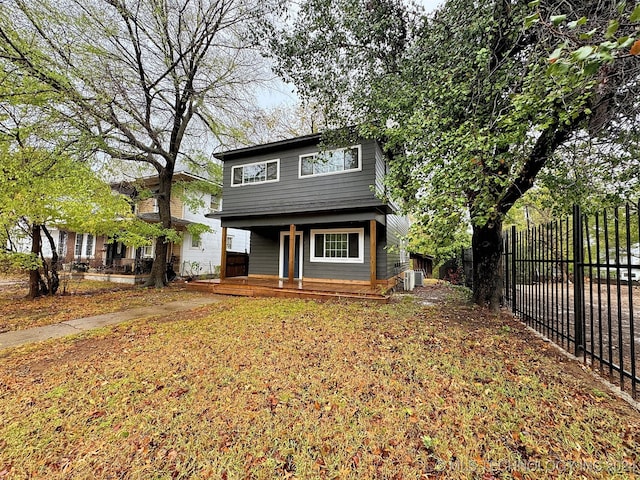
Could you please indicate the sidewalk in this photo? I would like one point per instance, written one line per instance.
(71, 327)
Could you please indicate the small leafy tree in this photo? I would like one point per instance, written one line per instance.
(42, 190)
(43, 186)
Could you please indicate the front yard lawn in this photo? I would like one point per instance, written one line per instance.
(273, 388)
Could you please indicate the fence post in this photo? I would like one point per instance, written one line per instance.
(578, 282)
(513, 269)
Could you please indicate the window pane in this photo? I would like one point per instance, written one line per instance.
(255, 173)
(351, 159)
(78, 250)
(335, 162)
(307, 165)
(272, 171)
(320, 164)
(354, 246)
(319, 244)
(89, 249)
(336, 245)
(237, 175)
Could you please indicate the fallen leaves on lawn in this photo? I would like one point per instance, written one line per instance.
(85, 299)
(272, 388)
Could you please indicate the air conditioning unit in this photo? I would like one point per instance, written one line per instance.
(419, 278)
(409, 280)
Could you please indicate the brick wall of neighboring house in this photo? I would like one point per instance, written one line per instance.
(146, 206)
(71, 247)
(101, 251)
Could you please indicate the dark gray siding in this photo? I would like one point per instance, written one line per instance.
(291, 193)
(397, 228)
(265, 249)
(381, 171)
(265, 254)
(381, 260)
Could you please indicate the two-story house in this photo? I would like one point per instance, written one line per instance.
(328, 200)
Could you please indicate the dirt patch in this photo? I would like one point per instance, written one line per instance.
(438, 293)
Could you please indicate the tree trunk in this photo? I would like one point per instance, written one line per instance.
(158, 276)
(37, 287)
(487, 265)
(34, 274)
(53, 279)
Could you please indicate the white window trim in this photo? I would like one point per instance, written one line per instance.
(153, 250)
(219, 209)
(359, 259)
(277, 160)
(313, 175)
(198, 247)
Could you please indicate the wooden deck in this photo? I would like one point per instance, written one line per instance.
(263, 287)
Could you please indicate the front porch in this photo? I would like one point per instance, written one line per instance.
(249, 286)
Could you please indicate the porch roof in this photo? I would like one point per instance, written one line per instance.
(244, 220)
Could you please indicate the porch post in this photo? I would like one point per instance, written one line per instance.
(292, 251)
(223, 255)
(373, 252)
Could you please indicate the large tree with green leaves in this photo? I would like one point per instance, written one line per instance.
(473, 100)
(143, 81)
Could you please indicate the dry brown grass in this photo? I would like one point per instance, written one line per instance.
(268, 388)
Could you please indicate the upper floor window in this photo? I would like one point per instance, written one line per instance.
(259, 172)
(215, 203)
(331, 161)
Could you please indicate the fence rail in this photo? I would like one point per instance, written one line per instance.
(575, 280)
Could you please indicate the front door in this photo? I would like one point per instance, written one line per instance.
(284, 255)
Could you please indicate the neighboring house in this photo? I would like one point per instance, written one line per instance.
(195, 255)
(630, 257)
(82, 249)
(328, 200)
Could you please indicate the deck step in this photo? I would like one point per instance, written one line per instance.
(263, 291)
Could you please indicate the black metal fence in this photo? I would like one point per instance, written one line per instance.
(575, 281)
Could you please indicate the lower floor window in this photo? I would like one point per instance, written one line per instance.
(338, 245)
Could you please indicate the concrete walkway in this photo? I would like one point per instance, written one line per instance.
(71, 327)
